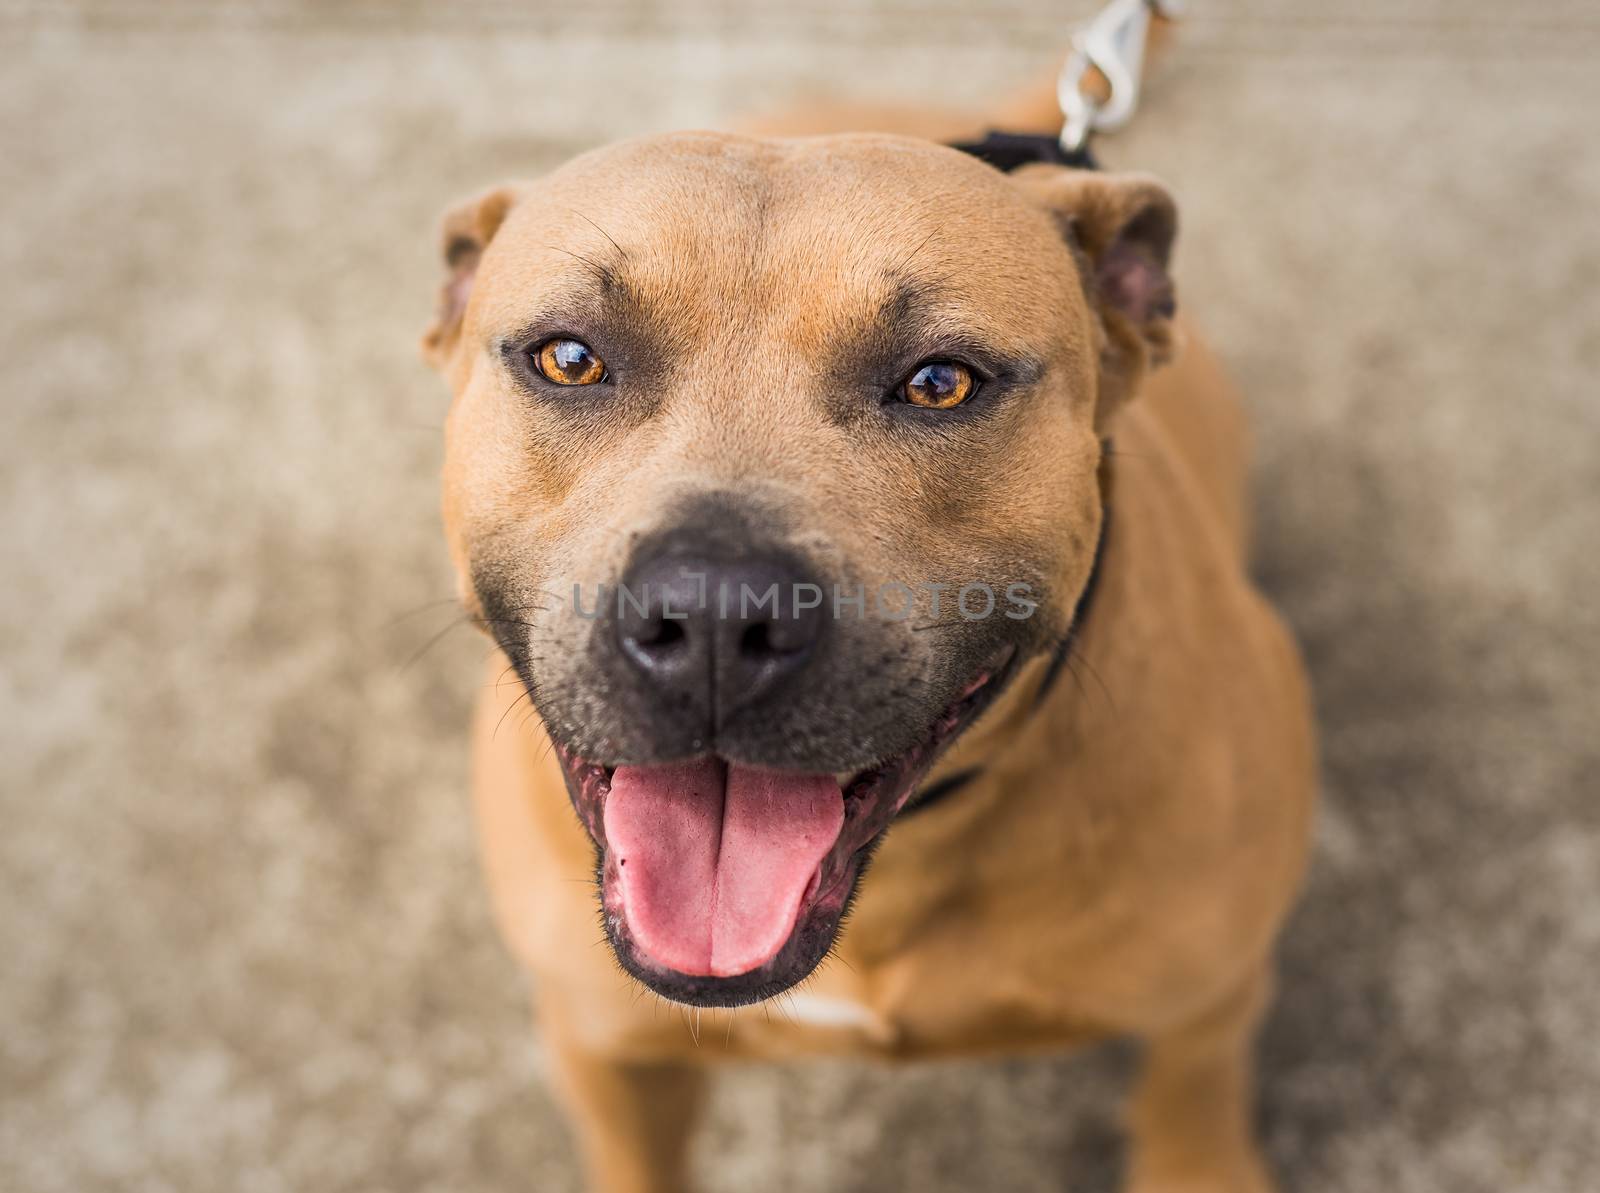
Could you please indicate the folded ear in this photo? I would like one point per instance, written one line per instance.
(465, 232)
(1122, 227)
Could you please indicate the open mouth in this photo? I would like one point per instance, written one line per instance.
(724, 884)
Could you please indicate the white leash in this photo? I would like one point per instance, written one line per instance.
(1113, 44)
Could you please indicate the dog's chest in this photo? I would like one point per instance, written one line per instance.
(907, 1011)
(833, 1012)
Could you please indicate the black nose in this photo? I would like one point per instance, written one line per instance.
(718, 635)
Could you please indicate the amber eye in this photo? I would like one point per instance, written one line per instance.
(939, 385)
(569, 362)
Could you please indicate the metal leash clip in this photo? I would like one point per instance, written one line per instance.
(1113, 44)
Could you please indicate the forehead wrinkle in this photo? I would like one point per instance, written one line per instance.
(899, 311)
(702, 269)
(612, 282)
(621, 252)
(552, 244)
(574, 300)
(872, 268)
(605, 275)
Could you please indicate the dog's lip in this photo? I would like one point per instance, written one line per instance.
(957, 716)
(986, 684)
(873, 797)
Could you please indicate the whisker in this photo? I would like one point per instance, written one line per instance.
(1075, 653)
(622, 252)
(526, 695)
(786, 1008)
(433, 641)
(926, 240)
(600, 271)
(525, 608)
(492, 621)
(418, 611)
(500, 682)
(1077, 680)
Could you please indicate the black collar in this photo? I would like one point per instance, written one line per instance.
(1010, 151)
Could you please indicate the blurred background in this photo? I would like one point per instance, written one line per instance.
(244, 943)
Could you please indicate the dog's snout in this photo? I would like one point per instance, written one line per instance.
(718, 635)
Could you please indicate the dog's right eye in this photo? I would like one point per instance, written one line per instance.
(939, 385)
(568, 362)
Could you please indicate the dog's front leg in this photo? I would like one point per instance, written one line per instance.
(1192, 1108)
(632, 1119)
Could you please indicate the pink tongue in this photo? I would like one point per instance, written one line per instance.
(713, 860)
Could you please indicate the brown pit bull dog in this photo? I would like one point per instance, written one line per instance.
(790, 475)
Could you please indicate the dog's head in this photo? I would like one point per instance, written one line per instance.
(769, 463)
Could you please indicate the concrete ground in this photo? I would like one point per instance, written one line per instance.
(244, 942)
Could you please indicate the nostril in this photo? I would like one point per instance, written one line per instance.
(756, 641)
(664, 633)
(717, 653)
(784, 638)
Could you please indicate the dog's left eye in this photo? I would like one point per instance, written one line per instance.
(568, 362)
(939, 385)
